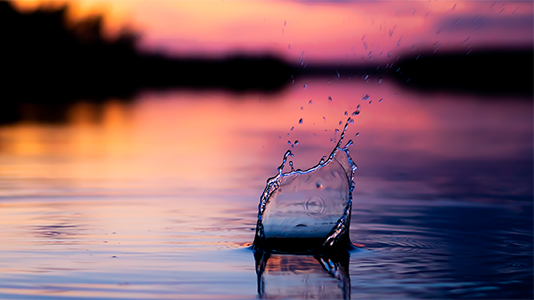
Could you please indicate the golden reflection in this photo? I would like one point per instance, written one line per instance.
(209, 141)
(182, 140)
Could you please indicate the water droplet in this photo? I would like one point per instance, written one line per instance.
(296, 142)
(346, 113)
(310, 102)
(365, 98)
(305, 86)
(357, 134)
(302, 108)
(300, 121)
(389, 54)
(370, 101)
(380, 81)
(356, 112)
(358, 107)
(329, 98)
(289, 142)
(289, 46)
(337, 130)
(292, 128)
(328, 82)
(338, 76)
(381, 99)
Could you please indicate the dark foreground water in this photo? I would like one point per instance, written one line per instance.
(157, 198)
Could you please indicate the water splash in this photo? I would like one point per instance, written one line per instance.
(308, 211)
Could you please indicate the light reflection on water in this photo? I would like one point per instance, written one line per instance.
(158, 198)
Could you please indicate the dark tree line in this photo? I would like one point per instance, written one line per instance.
(48, 61)
(44, 59)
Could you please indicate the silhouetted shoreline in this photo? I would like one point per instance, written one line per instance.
(47, 61)
(499, 72)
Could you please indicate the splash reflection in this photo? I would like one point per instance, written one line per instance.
(323, 276)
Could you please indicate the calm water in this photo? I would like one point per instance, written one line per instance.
(157, 198)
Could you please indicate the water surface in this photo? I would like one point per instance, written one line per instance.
(157, 197)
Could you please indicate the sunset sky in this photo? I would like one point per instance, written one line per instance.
(341, 31)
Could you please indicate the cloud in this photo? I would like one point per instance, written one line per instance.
(474, 22)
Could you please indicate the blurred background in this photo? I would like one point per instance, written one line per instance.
(136, 138)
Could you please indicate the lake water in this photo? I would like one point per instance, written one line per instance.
(156, 198)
